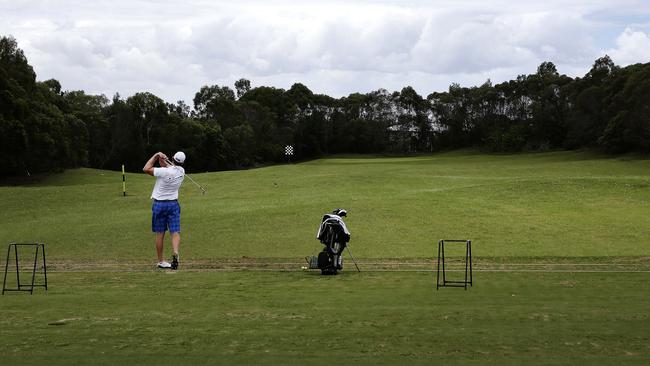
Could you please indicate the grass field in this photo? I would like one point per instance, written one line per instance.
(557, 204)
(301, 318)
(560, 240)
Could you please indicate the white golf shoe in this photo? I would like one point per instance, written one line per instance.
(164, 264)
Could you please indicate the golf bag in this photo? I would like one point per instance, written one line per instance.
(334, 235)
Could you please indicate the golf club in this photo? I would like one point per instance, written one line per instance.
(350, 253)
(190, 178)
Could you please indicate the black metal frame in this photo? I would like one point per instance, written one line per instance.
(29, 287)
(468, 265)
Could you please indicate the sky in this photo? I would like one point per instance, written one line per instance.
(172, 48)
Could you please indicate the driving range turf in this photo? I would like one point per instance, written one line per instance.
(560, 244)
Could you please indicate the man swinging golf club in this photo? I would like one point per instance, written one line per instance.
(166, 212)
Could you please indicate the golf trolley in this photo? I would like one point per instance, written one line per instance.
(334, 235)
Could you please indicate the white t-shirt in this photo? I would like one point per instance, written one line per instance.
(168, 181)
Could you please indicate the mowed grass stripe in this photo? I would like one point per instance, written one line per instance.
(563, 264)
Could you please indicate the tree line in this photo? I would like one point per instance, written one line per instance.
(45, 129)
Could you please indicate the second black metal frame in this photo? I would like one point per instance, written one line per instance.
(441, 265)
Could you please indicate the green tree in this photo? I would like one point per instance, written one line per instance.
(17, 80)
(628, 111)
(90, 109)
(587, 120)
(37, 134)
(242, 86)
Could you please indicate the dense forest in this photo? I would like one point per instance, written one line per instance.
(44, 128)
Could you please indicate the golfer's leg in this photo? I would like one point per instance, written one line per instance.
(160, 237)
(176, 242)
(175, 226)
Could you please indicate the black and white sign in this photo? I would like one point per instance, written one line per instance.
(288, 150)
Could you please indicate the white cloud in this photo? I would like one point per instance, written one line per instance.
(632, 47)
(172, 48)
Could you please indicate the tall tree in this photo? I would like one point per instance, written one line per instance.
(242, 86)
(17, 79)
(628, 111)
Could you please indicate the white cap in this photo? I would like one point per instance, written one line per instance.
(179, 157)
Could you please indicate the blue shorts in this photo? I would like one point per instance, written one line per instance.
(166, 215)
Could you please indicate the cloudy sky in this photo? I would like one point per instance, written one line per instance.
(173, 47)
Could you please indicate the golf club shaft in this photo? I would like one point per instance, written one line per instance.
(190, 178)
(350, 253)
(198, 185)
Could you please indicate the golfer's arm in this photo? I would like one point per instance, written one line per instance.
(148, 167)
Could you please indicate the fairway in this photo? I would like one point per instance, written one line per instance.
(560, 245)
(563, 204)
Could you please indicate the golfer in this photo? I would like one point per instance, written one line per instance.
(166, 212)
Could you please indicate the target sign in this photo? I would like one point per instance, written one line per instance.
(288, 150)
